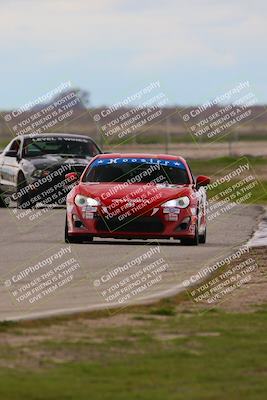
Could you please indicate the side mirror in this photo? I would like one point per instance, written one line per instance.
(11, 153)
(71, 177)
(202, 180)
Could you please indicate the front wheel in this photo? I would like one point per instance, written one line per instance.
(75, 239)
(203, 237)
(23, 197)
(3, 204)
(191, 241)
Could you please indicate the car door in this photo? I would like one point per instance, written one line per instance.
(10, 167)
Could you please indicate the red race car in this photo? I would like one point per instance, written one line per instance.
(137, 196)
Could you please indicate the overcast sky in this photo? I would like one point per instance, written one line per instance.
(196, 48)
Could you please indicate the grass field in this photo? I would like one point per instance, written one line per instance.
(175, 356)
(175, 350)
(218, 167)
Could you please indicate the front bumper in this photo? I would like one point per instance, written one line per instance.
(143, 226)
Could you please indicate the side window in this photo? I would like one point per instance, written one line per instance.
(7, 148)
(93, 149)
(14, 145)
(191, 173)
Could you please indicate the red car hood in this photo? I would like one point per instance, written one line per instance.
(149, 195)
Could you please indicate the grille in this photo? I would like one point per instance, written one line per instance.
(141, 224)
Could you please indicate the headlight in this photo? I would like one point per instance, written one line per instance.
(81, 200)
(181, 202)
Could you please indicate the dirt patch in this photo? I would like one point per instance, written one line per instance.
(253, 295)
(247, 298)
(172, 336)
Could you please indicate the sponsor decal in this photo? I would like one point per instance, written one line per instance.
(154, 161)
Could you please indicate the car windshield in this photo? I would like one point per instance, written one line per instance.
(137, 170)
(65, 146)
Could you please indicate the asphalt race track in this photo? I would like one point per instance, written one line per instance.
(89, 277)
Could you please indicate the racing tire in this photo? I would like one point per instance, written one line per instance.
(2, 202)
(75, 239)
(191, 241)
(25, 198)
(203, 238)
